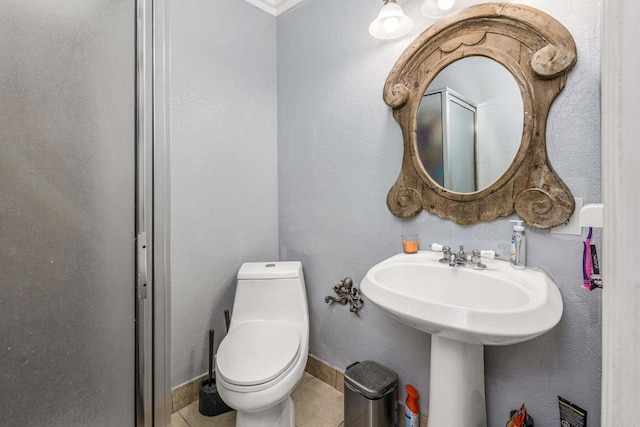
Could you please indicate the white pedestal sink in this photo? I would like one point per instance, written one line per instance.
(463, 309)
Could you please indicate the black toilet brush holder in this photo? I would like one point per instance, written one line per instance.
(210, 402)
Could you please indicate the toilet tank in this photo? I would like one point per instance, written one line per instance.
(270, 291)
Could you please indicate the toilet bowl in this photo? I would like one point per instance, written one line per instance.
(264, 354)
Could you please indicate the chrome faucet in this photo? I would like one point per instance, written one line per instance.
(446, 255)
(453, 260)
(476, 260)
(460, 258)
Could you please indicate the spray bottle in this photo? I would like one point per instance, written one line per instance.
(411, 409)
(517, 253)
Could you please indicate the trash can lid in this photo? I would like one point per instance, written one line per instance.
(371, 379)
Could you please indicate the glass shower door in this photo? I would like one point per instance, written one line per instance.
(67, 212)
(446, 139)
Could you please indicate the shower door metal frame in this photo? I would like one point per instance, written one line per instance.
(153, 390)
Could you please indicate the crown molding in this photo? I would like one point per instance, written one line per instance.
(274, 7)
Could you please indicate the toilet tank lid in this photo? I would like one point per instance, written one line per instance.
(270, 270)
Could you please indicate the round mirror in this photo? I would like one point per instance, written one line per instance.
(470, 124)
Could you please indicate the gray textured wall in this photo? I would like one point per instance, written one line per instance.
(339, 151)
(223, 164)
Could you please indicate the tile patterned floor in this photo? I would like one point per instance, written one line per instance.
(317, 405)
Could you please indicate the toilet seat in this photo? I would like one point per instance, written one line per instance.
(256, 353)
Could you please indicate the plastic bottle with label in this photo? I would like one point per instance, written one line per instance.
(517, 253)
(411, 409)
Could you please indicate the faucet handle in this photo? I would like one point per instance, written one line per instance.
(446, 253)
(476, 260)
(461, 251)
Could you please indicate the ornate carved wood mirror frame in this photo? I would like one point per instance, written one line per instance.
(539, 52)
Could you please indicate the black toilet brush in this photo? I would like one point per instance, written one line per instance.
(211, 403)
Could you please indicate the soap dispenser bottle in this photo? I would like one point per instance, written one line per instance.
(517, 253)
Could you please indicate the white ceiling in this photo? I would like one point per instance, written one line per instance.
(274, 7)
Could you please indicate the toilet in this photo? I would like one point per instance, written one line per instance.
(264, 354)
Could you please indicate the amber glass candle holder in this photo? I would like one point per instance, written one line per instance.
(410, 243)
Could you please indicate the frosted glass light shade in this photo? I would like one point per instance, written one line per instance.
(391, 22)
(446, 4)
(438, 8)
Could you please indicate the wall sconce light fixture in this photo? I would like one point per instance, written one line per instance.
(436, 9)
(391, 22)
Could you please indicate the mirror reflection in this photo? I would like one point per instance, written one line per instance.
(470, 124)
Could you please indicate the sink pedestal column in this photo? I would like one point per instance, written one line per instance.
(456, 395)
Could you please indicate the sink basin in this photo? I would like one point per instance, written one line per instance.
(496, 306)
(463, 309)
